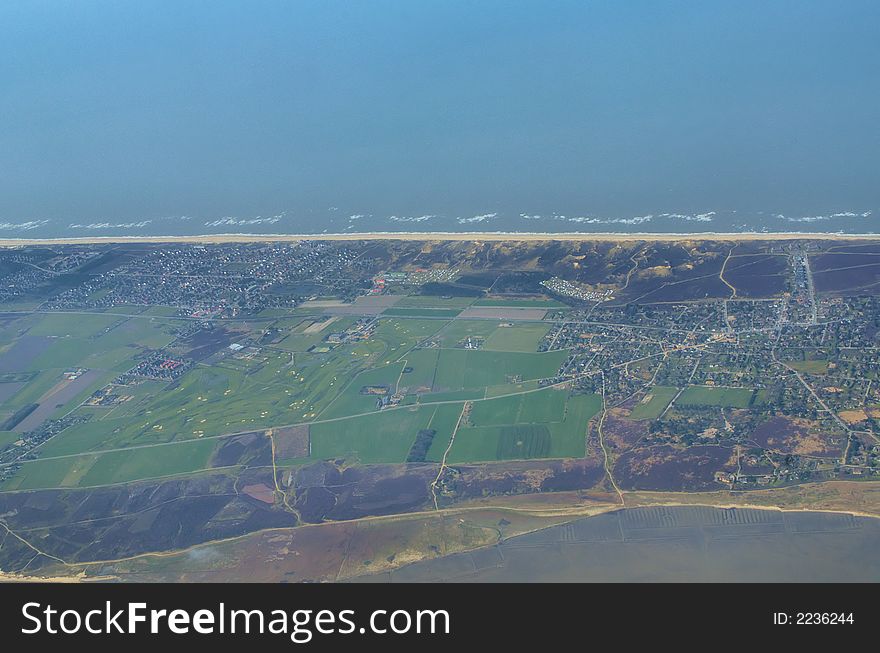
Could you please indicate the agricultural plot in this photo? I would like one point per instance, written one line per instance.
(443, 423)
(510, 442)
(82, 326)
(400, 335)
(520, 302)
(124, 466)
(419, 368)
(457, 395)
(425, 311)
(654, 403)
(522, 337)
(39, 383)
(101, 341)
(63, 396)
(511, 388)
(716, 396)
(527, 408)
(7, 438)
(547, 424)
(95, 435)
(227, 397)
(460, 369)
(810, 366)
(20, 352)
(363, 392)
(460, 330)
(381, 437)
(431, 301)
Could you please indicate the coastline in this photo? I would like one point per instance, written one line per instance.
(79, 575)
(440, 236)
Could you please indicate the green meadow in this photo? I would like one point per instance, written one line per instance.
(547, 424)
(167, 427)
(698, 395)
(654, 403)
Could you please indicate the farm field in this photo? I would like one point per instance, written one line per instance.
(524, 337)
(90, 470)
(426, 311)
(293, 380)
(460, 369)
(432, 301)
(716, 396)
(381, 437)
(520, 302)
(810, 366)
(543, 424)
(654, 402)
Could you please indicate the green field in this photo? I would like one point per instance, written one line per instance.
(521, 337)
(296, 340)
(423, 363)
(101, 341)
(352, 401)
(228, 397)
(168, 428)
(460, 369)
(123, 466)
(434, 302)
(113, 467)
(699, 395)
(81, 326)
(400, 335)
(520, 303)
(529, 408)
(544, 424)
(511, 388)
(658, 399)
(810, 367)
(454, 332)
(382, 437)
(422, 312)
(7, 438)
(456, 395)
(444, 421)
(509, 442)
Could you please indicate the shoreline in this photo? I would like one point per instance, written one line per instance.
(569, 516)
(440, 236)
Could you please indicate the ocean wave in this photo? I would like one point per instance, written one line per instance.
(411, 218)
(109, 225)
(477, 218)
(639, 219)
(824, 218)
(690, 217)
(23, 226)
(238, 221)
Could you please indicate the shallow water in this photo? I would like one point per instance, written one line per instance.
(670, 544)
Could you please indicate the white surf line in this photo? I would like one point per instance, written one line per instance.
(655, 236)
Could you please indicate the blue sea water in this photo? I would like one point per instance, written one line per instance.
(176, 117)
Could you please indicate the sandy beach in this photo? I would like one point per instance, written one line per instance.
(440, 236)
